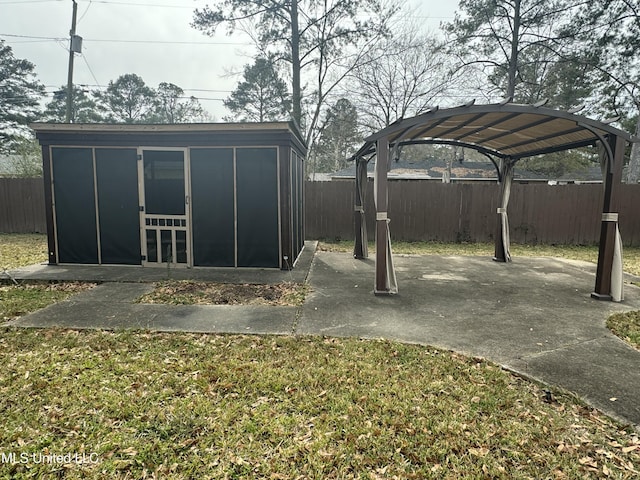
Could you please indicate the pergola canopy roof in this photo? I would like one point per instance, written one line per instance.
(511, 132)
(502, 130)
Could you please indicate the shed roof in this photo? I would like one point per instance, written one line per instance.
(174, 128)
(159, 127)
(503, 130)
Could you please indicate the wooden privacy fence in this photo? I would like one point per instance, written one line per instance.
(431, 211)
(419, 210)
(22, 205)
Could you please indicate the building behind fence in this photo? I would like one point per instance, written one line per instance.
(419, 210)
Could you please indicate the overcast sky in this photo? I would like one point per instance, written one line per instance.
(152, 38)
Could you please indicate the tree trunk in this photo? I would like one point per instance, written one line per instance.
(633, 173)
(296, 94)
(446, 175)
(513, 59)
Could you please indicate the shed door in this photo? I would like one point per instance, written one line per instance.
(164, 210)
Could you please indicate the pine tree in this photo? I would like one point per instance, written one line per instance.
(512, 42)
(261, 96)
(340, 137)
(19, 94)
(610, 29)
(127, 99)
(171, 106)
(84, 108)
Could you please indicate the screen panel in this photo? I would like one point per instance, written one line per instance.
(301, 212)
(164, 182)
(117, 178)
(212, 207)
(257, 207)
(296, 204)
(75, 207)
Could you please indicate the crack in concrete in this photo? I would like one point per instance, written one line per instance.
(562, 347)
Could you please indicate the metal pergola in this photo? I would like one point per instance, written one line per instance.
(505, 132)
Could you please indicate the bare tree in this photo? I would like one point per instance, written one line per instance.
(321, 41)
(406, 76)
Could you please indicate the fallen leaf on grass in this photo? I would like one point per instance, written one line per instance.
(130, 451)
(588, 462)
(479, 452)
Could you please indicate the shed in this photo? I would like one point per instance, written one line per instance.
(184, 195)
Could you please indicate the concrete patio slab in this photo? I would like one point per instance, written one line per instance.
(136, 273)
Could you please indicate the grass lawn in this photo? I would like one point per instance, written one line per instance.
(19, 250)
(17, 300)
(626, 326)
(228, 406)
(152, 405)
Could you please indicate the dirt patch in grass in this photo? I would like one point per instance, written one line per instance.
(188, 292)
(18, 300)
(626, 325)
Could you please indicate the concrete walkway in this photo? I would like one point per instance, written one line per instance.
(533, 316)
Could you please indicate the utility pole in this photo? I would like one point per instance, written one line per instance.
(72, 48)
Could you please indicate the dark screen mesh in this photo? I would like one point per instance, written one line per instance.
(75, 207)
(117, 176)
(212, 207)
(164, 182)
(257, 205)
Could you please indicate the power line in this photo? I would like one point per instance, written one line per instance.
(98, 85)
(206, 90)
(85, 11)
(14, 42)
(190, 7)
(89, 67)
(13, 2)
(13, 35)
(16, 2)
(167, 42)
(106, 40)
(132, 4)
(107, 2)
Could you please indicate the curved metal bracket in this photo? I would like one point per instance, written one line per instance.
(398, 143)
(471, 146)
(604, 143)
(497, 167)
